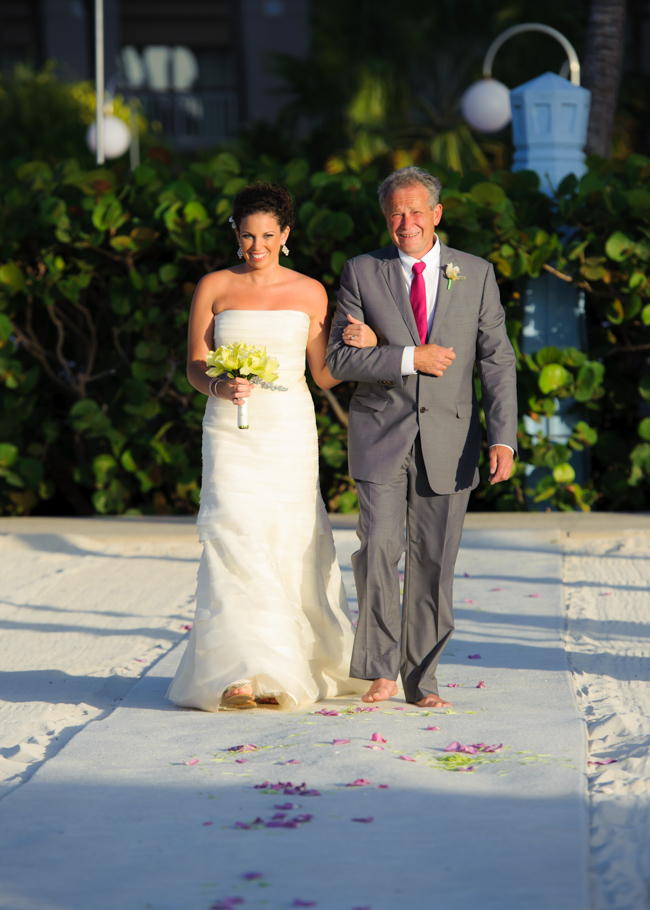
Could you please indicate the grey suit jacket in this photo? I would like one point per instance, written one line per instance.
(387, 409)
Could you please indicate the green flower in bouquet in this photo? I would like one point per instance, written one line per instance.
(239, 359)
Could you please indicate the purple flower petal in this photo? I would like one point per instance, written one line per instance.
(252, 876)
(360, 782)
(246, 747)
(481, 684)
(207, 824)
(327, 713)
(452, 685)
(290, 761)
(279, 815)
(401, 707)
(241, 761)
(186, 627)
(287, 807)
(466, 575)
(301, 819)
(495, 748)
(242, 826)
(453, 747)
(433, 728)
(299, 903)
(473, 656)
(383, 787)
(364, 821)
(378, 738)
(467, 768)
(407, 758)
(602, 761)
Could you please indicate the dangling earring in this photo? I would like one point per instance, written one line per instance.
(239, 253)
(285, 249)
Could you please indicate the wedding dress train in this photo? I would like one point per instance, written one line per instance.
(271, 608)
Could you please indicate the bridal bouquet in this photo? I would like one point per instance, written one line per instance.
(248, 361)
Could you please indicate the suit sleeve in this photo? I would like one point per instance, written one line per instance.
(379, 364)
(496, 364)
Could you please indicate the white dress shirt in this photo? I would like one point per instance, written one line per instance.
(431, 279)
(431, 276)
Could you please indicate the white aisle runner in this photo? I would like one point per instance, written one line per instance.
(125, 818)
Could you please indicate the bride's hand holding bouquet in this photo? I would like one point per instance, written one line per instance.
(244, 365)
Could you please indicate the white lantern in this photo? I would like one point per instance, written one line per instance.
(117, 137)
(486, 106)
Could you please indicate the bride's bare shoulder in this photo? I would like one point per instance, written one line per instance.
(308, 289)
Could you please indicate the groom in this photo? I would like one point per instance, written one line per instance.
(414, 432)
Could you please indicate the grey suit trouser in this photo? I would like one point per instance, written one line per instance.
(412, 644)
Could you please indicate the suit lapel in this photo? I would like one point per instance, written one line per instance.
(391, 268)
(445, 297)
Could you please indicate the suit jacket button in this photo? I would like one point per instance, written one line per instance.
(422, 410)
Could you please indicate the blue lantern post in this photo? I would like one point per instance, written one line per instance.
(550, 116)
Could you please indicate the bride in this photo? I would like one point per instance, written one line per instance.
(272, 624)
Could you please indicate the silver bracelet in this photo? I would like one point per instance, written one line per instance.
(212, 387)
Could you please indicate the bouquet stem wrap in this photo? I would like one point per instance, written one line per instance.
(247, 361)
(242, 416)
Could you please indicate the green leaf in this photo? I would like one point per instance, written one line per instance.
(486, 193)
(564, 473)
(589, 379)
(548, 355)
(8, 454)
(619, 246)
(6, 328)
(644, 387)
(195, 211)
(644, 428)
(553, 377)
(12, 276)
(104, 468)
(337, 261)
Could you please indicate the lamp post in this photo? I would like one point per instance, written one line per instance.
(108, 136)
(550, 116)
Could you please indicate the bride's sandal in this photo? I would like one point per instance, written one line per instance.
(267, 700)
(238, 698)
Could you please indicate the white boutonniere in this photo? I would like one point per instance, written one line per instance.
(452, 273)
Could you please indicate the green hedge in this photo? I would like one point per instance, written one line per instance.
(97, 269)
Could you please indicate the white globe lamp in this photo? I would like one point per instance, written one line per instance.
(486, 106)
(117, 137)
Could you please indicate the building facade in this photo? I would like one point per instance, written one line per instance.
(202, 69)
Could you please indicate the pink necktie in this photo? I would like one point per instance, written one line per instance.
(419, 300)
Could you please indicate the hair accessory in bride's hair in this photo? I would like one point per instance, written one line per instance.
(232, 223)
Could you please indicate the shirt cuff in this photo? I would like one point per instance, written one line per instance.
(407, 362)
(504, 446)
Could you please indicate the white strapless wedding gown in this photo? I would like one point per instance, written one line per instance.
(271, 607)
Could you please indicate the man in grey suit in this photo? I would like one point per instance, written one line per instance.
(414, 432)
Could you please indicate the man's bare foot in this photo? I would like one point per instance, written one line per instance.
(380, 690)
(432, 701)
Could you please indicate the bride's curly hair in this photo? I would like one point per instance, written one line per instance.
(264, 198)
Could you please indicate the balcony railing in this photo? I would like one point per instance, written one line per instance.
(191, 120)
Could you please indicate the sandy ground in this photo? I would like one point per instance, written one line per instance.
(71, 658)
(607, 591)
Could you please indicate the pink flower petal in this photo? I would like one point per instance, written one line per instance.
(186, 627)
(496, 589)
(360, 782)
(241, 761)
(534, 595)
(340, 742)
(327, 713)
(246, 747)
(407, 758)
(466, 575)
(252, 876)
(467, 768)
(495, 748)
(364, 821)
(473, 656)
(207, 824)
(433, 728)
(374, 746)
(141, 660)
(287, 807)
(290, 761)
(401, 707)
(606, 593)
(378, 738)
(453, 747)
(603, 761)
(481, 684)
(468, 601)
(452, 685)
(193, 761)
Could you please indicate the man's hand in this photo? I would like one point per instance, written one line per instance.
(501, 460)
(432, 359)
